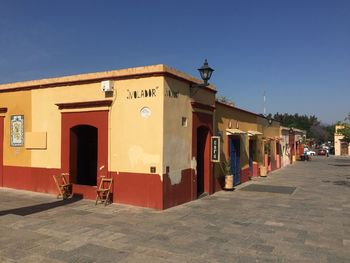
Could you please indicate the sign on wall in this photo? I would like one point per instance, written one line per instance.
(17, 130)
(215, 148)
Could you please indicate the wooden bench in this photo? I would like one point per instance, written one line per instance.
(64, 188)
(104, 191)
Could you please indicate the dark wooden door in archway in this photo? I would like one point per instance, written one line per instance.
(202, 158)
(83, 154)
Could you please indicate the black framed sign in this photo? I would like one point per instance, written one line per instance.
(215, 149)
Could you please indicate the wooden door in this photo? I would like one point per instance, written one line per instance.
(235, 159)
(344, 148)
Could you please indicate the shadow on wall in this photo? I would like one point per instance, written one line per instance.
(224, 168)
(28, 210)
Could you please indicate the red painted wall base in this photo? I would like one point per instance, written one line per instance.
(278, 161)
(273, 165)
(178, 193)
(255, 170)
(32, 179)
(146, 190)
(138, 189)
(245, 175)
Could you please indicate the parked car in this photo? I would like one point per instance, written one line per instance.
(322, 152)
(309, 152)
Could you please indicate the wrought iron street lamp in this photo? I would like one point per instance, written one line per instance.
(205, 71)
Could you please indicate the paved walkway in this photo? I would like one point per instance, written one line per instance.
(310, 225)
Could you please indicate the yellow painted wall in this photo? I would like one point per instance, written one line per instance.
(203, 96)
(18, 103)
(177, 146)
(245, 122)
(270, 131)
(46, 117)
(136, 142)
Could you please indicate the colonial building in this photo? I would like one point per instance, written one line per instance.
(340, 147)
(292, 144)
(148, 128)
(145, 127)
(249, 142)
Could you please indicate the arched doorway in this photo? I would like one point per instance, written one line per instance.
(83, 155)
(203, 164)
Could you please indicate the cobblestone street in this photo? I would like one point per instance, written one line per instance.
(309, 223)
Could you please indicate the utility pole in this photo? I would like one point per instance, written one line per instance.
(264, 103)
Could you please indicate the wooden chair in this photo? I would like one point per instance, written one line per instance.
(64, 188)
(104, 190)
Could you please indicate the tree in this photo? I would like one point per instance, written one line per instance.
(345, 130)
(347, 118)
(313, 127)
(302, 122)
(225, 100)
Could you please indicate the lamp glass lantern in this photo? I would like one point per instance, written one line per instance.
(205, 72)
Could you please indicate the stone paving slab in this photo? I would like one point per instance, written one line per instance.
(310, 225)
(276, 189)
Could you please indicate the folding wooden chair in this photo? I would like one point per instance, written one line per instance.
(104, 190)
(64, 188)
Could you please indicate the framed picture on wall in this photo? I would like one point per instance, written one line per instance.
(17, 130)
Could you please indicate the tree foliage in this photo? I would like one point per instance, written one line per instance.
(226, 100)
(313, 127)
(345, 131)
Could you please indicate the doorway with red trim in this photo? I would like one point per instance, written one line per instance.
(201, 134)
(84, 149)
(203, 164)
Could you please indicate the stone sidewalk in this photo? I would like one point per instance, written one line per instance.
(312, 224)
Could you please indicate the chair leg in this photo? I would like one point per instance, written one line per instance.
(97, 199)
(106, 198)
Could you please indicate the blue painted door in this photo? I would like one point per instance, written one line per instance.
(235, 151)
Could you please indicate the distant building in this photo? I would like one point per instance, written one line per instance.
(292, 146)
(340, 148)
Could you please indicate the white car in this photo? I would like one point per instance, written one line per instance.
(309, 152)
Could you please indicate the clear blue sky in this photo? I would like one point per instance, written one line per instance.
(298, 51)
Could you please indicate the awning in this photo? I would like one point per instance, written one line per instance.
(266, 138)
(253, 133)
(234, 132)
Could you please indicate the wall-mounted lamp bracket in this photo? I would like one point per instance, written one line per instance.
(195, 87)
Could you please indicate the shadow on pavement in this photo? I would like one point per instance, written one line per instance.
(341, 182)
(28, 210)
